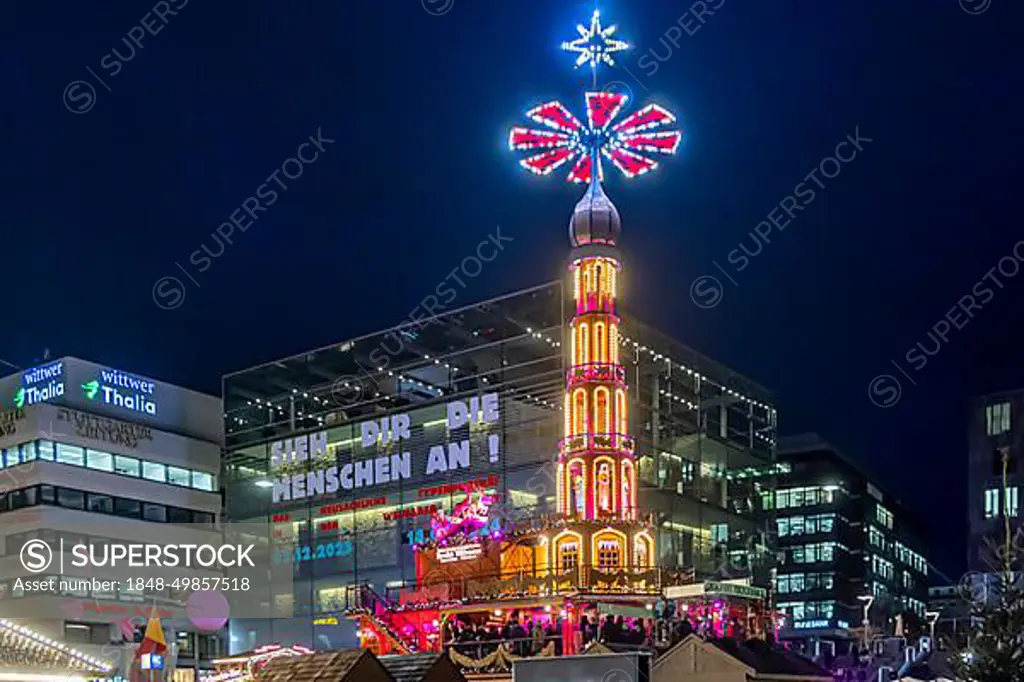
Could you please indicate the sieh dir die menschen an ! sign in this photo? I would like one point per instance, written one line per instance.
(376, 471)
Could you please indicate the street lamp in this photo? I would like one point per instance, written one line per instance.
(868, 601)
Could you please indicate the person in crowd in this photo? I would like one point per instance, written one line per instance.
(585, 629)
(607, 629)
(539, 638)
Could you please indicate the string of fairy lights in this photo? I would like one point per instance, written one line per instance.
(325, 399)
(31, 640)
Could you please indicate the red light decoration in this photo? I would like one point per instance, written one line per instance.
(626, 144)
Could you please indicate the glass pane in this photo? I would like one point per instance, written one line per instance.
(101, 504)
(101, 461)
(176, 476)
(70, 454)
(154, 512)
(28, 452)
(202, 481)
(72, 499)
(154, 472)
(126, 466)
(129, 508)
(46, 450)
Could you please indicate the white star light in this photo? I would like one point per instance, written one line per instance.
(595, 45)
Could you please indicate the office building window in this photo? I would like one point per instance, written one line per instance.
(152, 471)
(997, 418)
(100, 504)
(28, 452)
(805, 525)
(804, 497)
(177, 476)
(154, 512)
(131, 509)
(70, 454)
(46, 450)
(73, 455)
(884, 516)
(876, 537)
(809, 554)
(101, 461)
(72, 499)
(882, 567)
(719, 533)
(804, 582)
(202, 481)
(991, 503)
(126, 466)
(809, 610)
(1011, 505)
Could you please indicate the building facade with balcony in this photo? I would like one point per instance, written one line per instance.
(841, 541)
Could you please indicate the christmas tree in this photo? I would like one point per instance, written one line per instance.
(995, 648)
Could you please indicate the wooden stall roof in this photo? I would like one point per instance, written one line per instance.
(426, 667)
(350, 665)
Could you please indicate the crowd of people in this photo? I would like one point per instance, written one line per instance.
(527, 637)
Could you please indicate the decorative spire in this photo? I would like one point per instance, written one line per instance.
(595, 220)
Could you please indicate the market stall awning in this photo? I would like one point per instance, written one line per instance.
(623, 610)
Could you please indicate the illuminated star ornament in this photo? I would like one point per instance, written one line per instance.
(628, 144)
(595, 44)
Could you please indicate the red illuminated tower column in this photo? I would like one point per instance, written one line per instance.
(597, 469)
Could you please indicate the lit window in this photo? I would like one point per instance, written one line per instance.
(46, 450)
(569, 555)
(202, 481)
(176, 476)
(997, 418)
(884, 516)
(28, 451)
(719, 533)
(126, 466)
(1011, 506)
(991, 503)
(154, 472)
(608, 554)
(101, 461)
(876, 538)
(70, 454)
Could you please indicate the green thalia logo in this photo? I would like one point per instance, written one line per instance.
(19, 398)
(91, 389)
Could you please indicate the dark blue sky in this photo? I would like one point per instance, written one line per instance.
(99, 206)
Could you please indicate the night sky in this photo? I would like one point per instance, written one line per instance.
(99, 205)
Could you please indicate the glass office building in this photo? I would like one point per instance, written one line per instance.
(351, 449)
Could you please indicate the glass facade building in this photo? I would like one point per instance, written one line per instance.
(841, 539)
(349, 450)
